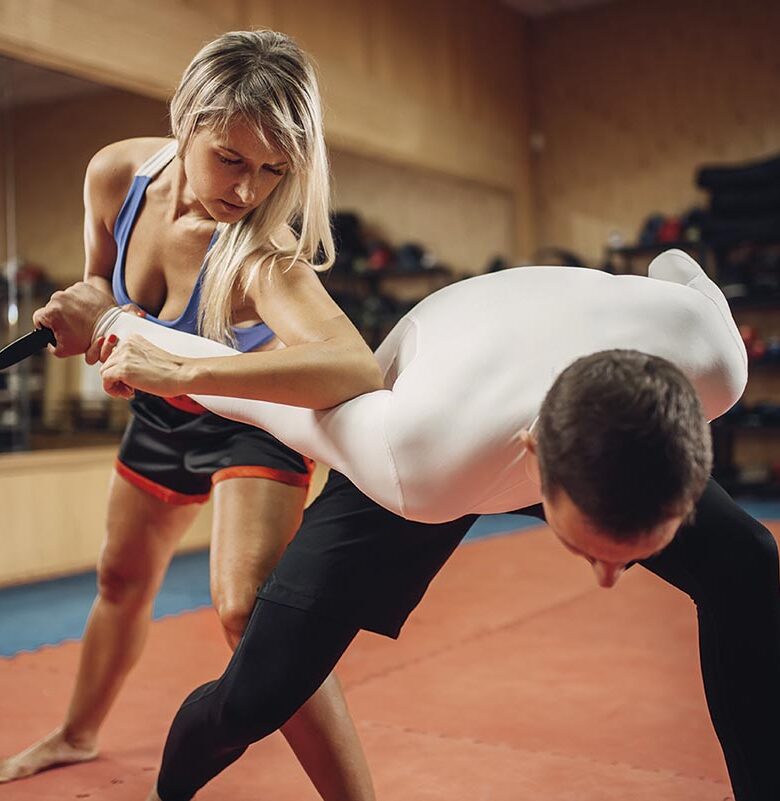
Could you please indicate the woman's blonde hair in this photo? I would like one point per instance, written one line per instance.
(265, 80)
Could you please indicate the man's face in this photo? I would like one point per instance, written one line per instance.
(607, 557)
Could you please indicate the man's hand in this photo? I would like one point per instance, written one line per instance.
(72, 315)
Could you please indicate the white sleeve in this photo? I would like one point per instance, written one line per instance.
(722, 372)
(349, 438)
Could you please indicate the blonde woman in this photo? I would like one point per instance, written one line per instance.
(196, 231)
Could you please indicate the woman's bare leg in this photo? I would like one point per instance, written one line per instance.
(141, 535)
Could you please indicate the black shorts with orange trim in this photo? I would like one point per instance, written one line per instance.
(177, 454)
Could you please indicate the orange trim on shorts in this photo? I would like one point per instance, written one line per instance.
(289, 477)
(164, 494)
(185, 403)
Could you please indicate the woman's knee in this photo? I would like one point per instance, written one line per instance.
(131, 568)
(120, 586)
(141, 536)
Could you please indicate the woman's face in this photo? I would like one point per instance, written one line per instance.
(232, 173)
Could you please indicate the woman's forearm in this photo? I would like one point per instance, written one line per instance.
(101, 283)
(313, 376)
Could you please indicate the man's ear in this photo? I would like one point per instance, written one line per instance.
(531, 459)
(528, 440)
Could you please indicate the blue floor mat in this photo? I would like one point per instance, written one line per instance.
(51, 612)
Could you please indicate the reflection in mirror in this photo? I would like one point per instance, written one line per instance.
(51, 124)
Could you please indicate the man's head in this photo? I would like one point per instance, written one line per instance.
(623, 453)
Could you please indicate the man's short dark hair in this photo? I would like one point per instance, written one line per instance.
(624, 434)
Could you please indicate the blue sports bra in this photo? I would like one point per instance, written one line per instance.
(246, 338)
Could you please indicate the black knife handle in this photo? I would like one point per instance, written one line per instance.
(45, 336)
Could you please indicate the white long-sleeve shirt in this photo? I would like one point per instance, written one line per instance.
(466, 371)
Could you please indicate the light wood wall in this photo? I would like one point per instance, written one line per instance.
(630, 97)
(54, 511)
(53, 144)
(463, 223)
(405, 81)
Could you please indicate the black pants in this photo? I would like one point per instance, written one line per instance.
(725, 561)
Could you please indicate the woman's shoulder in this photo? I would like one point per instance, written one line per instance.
(280, 247)
(112, 168)
(110, 171)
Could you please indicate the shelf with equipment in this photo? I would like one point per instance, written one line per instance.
(22, 289)
(626, 259)
(746, 441)
(747, 438)
(376, 283)
(376, 301)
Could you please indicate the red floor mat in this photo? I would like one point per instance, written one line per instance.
(516, 679)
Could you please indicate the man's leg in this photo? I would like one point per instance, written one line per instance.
(254, 519)
(284, 656)
(727, 563)
(352, 558)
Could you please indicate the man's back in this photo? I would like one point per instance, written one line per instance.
(472, 363)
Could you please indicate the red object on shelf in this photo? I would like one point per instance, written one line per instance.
(756, 350)
(380, 257)
(670, 231)
(748, 334)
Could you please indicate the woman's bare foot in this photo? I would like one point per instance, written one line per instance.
(52, 750)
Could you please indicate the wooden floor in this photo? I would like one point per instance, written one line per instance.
(517, 679)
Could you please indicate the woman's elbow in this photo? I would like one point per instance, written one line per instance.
(352, 374)
(365, 375)
(373, 377)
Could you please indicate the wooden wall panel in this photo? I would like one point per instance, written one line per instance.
(417, 82)
(436, 84)
(630, 97)
(463, 223)
(408, 49)
(335, 34)
(53, 144)
(141, 45)
(63, 534)
(439, 84)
